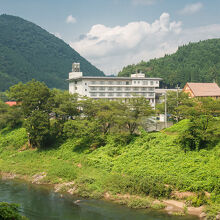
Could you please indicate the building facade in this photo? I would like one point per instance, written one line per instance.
(112, 87)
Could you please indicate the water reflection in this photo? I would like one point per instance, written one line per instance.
(41, 203)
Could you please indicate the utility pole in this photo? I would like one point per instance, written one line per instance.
(165, 110)
(177, 97)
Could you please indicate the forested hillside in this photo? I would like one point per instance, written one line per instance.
(27, 51)
(195, 62)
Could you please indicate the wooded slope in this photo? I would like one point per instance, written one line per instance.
(195, 62)
(27, 51)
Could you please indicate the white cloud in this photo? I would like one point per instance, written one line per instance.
(143, 2)
(112, 48)
(70, 19)
(121, 45)
(191, 8)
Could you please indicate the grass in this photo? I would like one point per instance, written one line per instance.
(152, 165)
(178, 127)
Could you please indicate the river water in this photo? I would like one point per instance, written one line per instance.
(41, 203)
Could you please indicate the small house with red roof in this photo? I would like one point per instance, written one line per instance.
(202, 90)
(11, 103)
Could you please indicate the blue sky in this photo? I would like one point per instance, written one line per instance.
(115, 33)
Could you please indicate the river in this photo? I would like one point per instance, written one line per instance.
(41, 203)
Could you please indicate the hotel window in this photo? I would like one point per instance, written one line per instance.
(151, 89)
(93, 82)
(127, 83)
(151, 82)
(143, 89)
(109, 94)
(119, 89)
(101, 88)
(102, 82)
(101, 94)
(119, 83)
(136, 89)
(75, 82)
(93, 94)
(85, 84)
(127, 89)
(145, 82)
(93, 88)
(119, 94)
(157, 82)
(75, 88)
(127, 94)
(110, 89)
(110, 82)
(151, 94)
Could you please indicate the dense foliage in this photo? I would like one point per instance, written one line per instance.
(151, 164)
(202, 113)
(9, 116)
(27, 51)
(73, 116)
(102, 145)
(195, 62)
(10, 211)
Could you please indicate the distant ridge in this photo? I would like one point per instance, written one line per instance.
(27, 51)
(195, 62)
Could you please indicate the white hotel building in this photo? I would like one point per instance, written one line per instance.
(112, 87)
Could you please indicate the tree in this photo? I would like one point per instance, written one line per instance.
(65, 105)
(3, 97)
(38, 128)
(177, 105)
(33, 96)
(88, 133)
(136, 110)
(108, 114)
(3, 111)
(89, 107)
(35, 101)
(203, 129)
(105, 112)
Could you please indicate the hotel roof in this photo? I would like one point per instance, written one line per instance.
(114, 78)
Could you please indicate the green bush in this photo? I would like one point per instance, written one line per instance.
(10, 211)
(15, 138)
(88, 132)
(139, 203)
(198, 200)
(133, 185)
(120, 139)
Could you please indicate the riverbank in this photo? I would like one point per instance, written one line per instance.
(41, 202)
(150, 166)
(172, 207)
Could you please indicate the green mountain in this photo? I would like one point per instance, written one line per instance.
(195, 62)
(27, 51)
